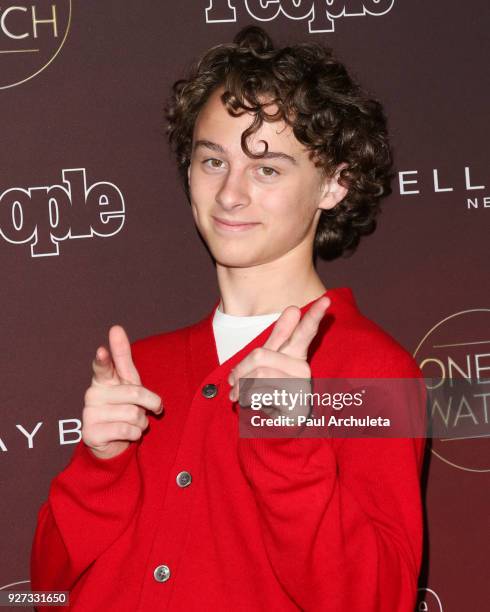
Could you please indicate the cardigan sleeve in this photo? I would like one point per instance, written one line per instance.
(89, 505)
(342, 519)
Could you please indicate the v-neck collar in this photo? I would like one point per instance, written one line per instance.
(203, 350)
(204, 359)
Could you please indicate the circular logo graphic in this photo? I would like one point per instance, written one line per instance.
(428, 601)
(458, 347)
(31, 36)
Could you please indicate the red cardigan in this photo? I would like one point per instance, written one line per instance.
(327, 524)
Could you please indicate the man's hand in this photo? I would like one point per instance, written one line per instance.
(114, 413)
(284, 354)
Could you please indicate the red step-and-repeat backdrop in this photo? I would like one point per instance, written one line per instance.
(82, 87)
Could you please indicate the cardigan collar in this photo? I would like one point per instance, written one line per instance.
(204, 353)
(204, 360)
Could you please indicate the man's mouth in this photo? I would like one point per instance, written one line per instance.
(233, 226)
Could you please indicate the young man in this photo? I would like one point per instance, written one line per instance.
(283, 158)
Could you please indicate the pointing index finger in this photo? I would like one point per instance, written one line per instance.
(297, 345)
(121, 354)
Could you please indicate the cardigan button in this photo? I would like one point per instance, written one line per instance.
(209, 391)
(183, 479)
(161, 573)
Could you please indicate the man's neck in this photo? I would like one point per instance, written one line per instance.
(266, 289)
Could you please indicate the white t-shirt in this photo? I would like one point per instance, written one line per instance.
(233, 332)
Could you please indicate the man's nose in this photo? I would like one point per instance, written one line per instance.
(233, 190)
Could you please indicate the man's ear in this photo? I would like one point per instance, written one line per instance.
(332, 190)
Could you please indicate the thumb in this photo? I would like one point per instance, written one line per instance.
(283, 328)
(121, 355)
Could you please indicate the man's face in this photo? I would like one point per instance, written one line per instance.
(277, 199)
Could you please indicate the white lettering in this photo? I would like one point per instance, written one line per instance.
(3, 27)
(45, 216)
(479, 368)
(28, 435)
(53, 21)
(469, 186)
(64, 430)
(321, 14)
(436, 183)
(463, 415)
(404, 181)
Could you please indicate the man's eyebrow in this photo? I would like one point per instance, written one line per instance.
(213, 146)
(208, 145)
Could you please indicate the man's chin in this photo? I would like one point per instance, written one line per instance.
(235, 260)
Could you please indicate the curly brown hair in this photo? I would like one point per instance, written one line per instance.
(327, 110)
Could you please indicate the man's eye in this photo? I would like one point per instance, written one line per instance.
(267, 171)
(213, 162)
